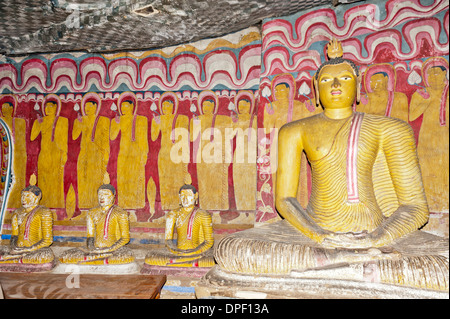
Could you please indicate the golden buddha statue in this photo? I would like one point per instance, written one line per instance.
(367, 199)
(31, 236)
(194, 235)
(108, 231)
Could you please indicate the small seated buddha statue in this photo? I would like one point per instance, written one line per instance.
(31, 235)
(194, 235)
(367, 200)
(108, 231)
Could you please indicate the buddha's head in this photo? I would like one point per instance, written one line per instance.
(208, 106)
(90, 108)
(244, 106)
(188, 195)
(127, 107)
(30, 197)
(167, 107)
(106, 195)
(379, 82)
(436, 76)
(50, 108)
(337, 82)
(7, 109)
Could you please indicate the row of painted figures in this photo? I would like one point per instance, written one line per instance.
(96, 132)
(108, 233)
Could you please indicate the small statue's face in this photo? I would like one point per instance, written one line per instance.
(90, 108)
(127, 108)
(208, 107)
(50, 108)
(337, 86)
(244, 107)
(378, 82)
(281, 91)
(167, 107)
(29, 200)
(436, 76)
(188, 198)
(105, 197)
(7, 110)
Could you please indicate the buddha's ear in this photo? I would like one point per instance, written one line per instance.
(358, 88)
(316, 91)
(196, 197)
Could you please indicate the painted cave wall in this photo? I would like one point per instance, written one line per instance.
(402, 50)
(208, 112)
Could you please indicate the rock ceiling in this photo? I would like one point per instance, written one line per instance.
(40, 26)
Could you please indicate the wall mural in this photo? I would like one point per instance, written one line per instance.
(210, 111)
(402, 50)
(143, 121)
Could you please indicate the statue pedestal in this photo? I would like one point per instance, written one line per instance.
(27, 267)
(218, 283)
(277, 261)
(193, 272)
(130, 268)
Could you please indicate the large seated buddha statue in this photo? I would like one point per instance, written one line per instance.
(31, 236)
(188, 236)
(367, 200)
(108, 233)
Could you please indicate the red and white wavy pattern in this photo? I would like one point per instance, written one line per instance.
(234, 69)
(283, 37)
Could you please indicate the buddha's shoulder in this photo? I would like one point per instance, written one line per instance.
(119, 211)
(42, 210)
(173, 213)
(304, 123)
(203, 213)
(385, 124)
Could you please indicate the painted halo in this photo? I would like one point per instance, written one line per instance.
(242, 95)
(127, 96)
(88, 97)
(432, 62)
(8, 98)
(51, 98)
(168, 96)
(380, 68)
(205, 95)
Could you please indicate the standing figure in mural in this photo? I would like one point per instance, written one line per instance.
(17, 127)
(350, 218)
(244, 157)
(108, 231)
(132, 154)
(171, 171)
(208, 135)
(285, 109)
(94, 149)
(379, 81)
(54, 131)
(194, 235)
(433, 143)
(31, 234)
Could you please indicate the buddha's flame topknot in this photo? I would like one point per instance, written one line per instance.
(334, 49)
